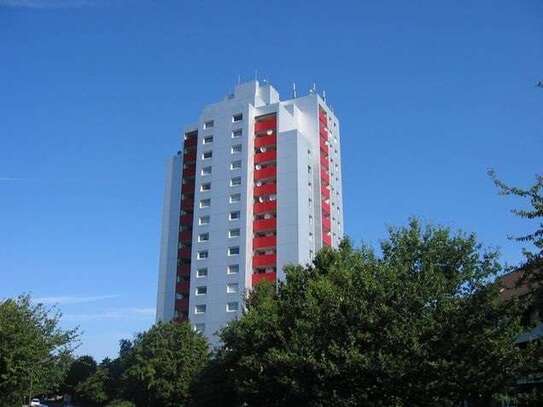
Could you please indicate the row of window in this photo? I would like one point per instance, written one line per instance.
(230, 307)
(204, 254)
(205, 219)
(208, 124)
(235, 149)
(234, 182)
(232, 233)
(231, 288)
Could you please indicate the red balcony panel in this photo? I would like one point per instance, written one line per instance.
(325, 193)
(185, 236)
(258, 277)
(327, 240)
(266, 124)
(262, 141)
(263, 207)
(326, 223)
(267, 156)
(187, 205)
(264, 242)
(325, 178)
(186, 220)
(264, 260)
(324, 163)
(268, 172)
(187, 188)
(182, 304)
(190, 155)
(190, 142)
(266, 189)
(189, 172)
(323, 119)
(323, 132)
(324, 149)
(326, 208)
(183, 270)
(182, 287)
(262, 225)
(185, 252)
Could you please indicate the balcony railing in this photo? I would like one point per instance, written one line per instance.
(267, 124)
(325, 192)
(186, 220)
(184, 270)
(263, 207)
(325, 178)
(187, 188)
(327, 240)
(326, 225)
(267, 156)
(258, 277)
(264, 260)
(268, 172)
(326, 208)
(266, 189)
(185, 252)
(264, 242)
(262, 225)
(189, 156)
(266, 141)
(185, 236)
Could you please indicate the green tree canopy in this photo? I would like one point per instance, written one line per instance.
(34, 350)
(419, 324)
(80, 370)
(161, 364)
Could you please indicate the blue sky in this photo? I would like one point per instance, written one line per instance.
(93, 95)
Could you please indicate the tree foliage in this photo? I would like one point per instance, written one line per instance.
(34, 350)
(418, 325)
(80, 370)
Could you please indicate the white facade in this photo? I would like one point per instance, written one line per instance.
(230, 176)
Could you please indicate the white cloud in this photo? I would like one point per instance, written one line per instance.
(120, 313)
(64, 300)
(9, 179)
(45, 4)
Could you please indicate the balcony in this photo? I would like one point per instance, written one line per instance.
(264, 242)
(184, 270)
(325, 178)
(266, 141)
(327, 240)
(184, 253)
(185, 236)
(323, 132)
(190, 142)
(264, 260)
(187, 205)
(326, 224)
(326, 209)
(185, 220)
(265, 157)
(182, 287)
(258, 277)
(325, 193)
(189, 172)
(324, 163)
(324, 149)
(263, 225)
(187, 188)
(266, 124)
(263, 207)
(190, 155)
(268, 172)
(266, 189)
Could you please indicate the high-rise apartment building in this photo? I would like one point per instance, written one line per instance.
(256, 186)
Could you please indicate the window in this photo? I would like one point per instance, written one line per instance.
(233, 269)
(236, 148)
(201, 273)
(235, 182)
(232, 288)
(200, 309)
(235, 165)
(234, 215)
(200, 328)
(208, 139)
(233, 233)
(233, 251)
(202, 290)
(237, 133)
(237, 117)
(206, 171)
(203, 237)
(203, 254)
(206, 155)
(235, 198)
(232, 306)
(310, 219)
(205, 203)
(209, 124)
(203, 220)
(205, 187)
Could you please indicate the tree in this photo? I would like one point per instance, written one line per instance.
(34, 350)
(418, 325)
(162, 363)
(80, 370)
(92, 391)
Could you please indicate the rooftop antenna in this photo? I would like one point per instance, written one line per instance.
(324, 95)
(294, 90)
(313, 89)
